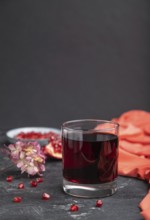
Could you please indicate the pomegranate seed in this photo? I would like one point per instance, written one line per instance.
(52, 138)
(20, 186)
(39, 180)
(45, 196)
(59, 144)
(99, 203)
(37, 135)
(17, 199)
(74, 208)
(33, 183)
(9, 179)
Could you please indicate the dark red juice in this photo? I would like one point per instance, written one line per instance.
(91, 160)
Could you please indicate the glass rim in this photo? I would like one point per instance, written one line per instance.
(64, 125)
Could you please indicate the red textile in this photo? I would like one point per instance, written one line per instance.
(134, 150)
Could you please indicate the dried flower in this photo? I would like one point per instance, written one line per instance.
(27, 156)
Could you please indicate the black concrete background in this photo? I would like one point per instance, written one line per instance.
(121, 206)
(62, 60)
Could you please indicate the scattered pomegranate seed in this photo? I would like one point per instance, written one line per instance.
(99, 203)
(45, 196)
(17, 199)
(20, 186)
(33, 183)
(74, 208)
(39, 180)
(9, 179)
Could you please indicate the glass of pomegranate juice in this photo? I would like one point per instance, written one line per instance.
(90, 157)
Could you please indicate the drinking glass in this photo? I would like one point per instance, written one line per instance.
(90, 157)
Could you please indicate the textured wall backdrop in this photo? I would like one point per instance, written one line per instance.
(62, 60)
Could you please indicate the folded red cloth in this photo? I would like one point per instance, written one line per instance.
(134, 150)
(145, 206)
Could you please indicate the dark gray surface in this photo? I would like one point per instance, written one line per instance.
(62, 60)
(123, 205)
